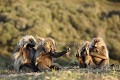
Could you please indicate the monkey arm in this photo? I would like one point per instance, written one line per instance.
(58, 54)
(99, 56)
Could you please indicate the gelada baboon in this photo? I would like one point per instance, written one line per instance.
(24, 54)
(99, 52)
(84, 59)
(45, 53)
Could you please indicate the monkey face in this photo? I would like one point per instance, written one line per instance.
(97, 44)
(27, 41)
(49, 45)
(84, 51)
(31, 43)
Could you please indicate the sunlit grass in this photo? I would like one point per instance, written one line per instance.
(68, 74)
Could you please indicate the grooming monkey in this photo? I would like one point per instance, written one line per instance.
(99, 52)
(83, 56)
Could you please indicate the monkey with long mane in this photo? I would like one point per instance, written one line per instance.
(24, 54)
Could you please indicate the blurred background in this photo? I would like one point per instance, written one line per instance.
(68, 22)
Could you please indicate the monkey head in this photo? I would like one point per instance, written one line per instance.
(84, 50)
(27, 41)
(49, 45)
(97, 44)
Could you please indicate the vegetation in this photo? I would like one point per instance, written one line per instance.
(68, 22)
(69, 74)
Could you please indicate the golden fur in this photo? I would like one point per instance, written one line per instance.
(99, 52)
(82, 53)
(45, 53)
(89, 62)
(84, 59)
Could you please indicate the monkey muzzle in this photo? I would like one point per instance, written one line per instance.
(31, 45)
(94, 46)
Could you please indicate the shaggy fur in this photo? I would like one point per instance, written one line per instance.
(99, 52)
(24, 53)
(84, 59)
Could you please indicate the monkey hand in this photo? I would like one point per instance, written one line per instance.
(67, 50)
(78, 53)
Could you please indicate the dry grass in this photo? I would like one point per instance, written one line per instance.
(67, 74)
